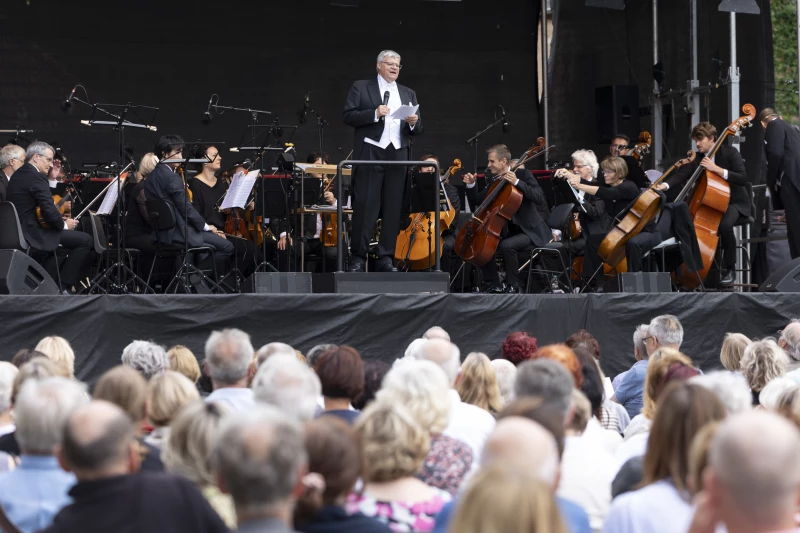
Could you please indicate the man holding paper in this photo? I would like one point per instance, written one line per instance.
(384, 115)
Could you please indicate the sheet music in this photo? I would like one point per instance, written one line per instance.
(110, 199)
(239, 190)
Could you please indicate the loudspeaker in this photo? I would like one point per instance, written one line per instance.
(617, 111)
(639, 282)
(19, 274)
(785, 279)
(382, 282)
(278, 283)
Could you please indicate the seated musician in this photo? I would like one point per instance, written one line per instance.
(621, 147)
(165, 184)
(618, 194)
(448, 235)
(526, 228)
(11, 158)
(138, 233)
(728, 164)
(314, 226)
(29, 189)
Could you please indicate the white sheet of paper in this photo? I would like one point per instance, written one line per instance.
(110, 200)
(239, 190)
(405, 111)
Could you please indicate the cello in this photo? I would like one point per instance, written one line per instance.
(643, 146)
(643, 211)
(478, 239)
(413, 248)
(710, 195)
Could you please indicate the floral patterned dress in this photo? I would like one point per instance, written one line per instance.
(401, 517)
(447, 463)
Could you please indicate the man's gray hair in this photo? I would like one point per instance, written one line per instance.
(385, 54)
(442, 352)
(228, 355)
(259, 455)
(8, 373)
(146, 357)
(546, 379)
(791, 335)
(41, 410)
(9, 152)
(314, 353)
(588, 158)
(37, 148)
(286, 383)
(731, 389)
(638, 339)
(273, 348)
(506, 374)
(667, 330)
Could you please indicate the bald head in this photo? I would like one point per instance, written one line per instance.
(436, 332)
(525, 444)
(443, 353)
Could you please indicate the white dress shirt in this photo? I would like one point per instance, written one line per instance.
(238, 399)
(586, 475)
(469, 424)
(391, 128)
(713, 160)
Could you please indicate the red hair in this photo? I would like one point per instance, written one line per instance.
(519, 347)
(563, 354)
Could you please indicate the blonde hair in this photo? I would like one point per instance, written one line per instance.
(615, 164)
(188, 448)
(58, 350)
(762, 362)
(732, 350)
(582, 411)
(147, 164)
(698, 455)
(183, 361)
(126, 388)
(393, 443)
(502, 498)
(167, 393)
(421, 387)
(477, 383)
(587, 158)
(36, 368)
(657, 368)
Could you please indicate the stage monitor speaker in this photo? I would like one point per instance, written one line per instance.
(19, 274)
(785, 279)
(277, 283)
(382, 282)
(617, 111)
(640, 282)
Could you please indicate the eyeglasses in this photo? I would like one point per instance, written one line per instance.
(620, 146)
(650, 337)
(398, 66)
(609, 171)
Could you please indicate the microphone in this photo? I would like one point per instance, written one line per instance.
(206, 120)
(385, 102)
(506, 125)
(302, 116)
(66, 107)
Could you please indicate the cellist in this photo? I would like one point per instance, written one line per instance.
(728, 164)
(448, 235)
(526, 229)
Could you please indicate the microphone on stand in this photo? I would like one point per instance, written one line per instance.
(302, 116)
(207, 115)
(66, 107)
(506, 125)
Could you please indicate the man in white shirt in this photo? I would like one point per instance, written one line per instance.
(228, 356)
(378, 190)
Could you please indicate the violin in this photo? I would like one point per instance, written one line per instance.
(62, 205)
(413, 248)
(179, 172)
(643, 146)
(235, 223)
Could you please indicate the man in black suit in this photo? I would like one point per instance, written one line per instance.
(728, 164)
(165, 184)
(379, 190)
(526, 229)
(621, 147)
(782, 144)
(11, 158)
(29, 189)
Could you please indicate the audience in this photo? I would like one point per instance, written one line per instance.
(789, 340)
(36, 369)
(477, 384)
(374, 372)
(314, 353)
(8, 374)
(506, 373)
(289, 385)
(564, 355)
(58, 350)
(183, 361)
(147, 358)
(730, 388)
(24, 355)
(762, 362)
(548, 380)
(273, 348)
(228, 356)
(639, 352)
(436, 332)
(611, 415)
(770, 396)
(518, 347)
(341, 375)
(733, 347)
(167, 393)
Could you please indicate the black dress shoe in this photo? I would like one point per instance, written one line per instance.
(512, 289)
(356, 265)
(727, 278)
(385, 266)
(495, 289)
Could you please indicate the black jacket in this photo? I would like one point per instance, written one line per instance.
(27, 190)
(594, 216)
(3, 185)
(782, 145)
(359, 112)
(165, 184)
(527, 217)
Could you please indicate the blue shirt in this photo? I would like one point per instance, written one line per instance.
(631, 389)
(656, 508)
(575, 518)
(34, 493)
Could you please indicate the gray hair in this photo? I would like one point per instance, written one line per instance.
(228, 355)
(41, 410)
(731, 389)
(790, 334)
(442, 352)
(8, 373)
(547, 379)
(188, 448)
(289, 385)
(37, 148)
(762, 362)
(506, 373)
(436, 332)
(273, 348)
(773, 392)
(9, 152)
(314, 353)
(667, 329)
(587, 157)
(259, 455)
(638, 339)
(148, 358)
(421, 387)
(96, 436)
(385, 54)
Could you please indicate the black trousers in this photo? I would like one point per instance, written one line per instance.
(569, 249)
(377, 192)
(223, 250)
(246, 255)
(288, 259)
(76, 247)
(727, 238)
(790, 196)
(509, 248)
(448, 245)
(635, 249)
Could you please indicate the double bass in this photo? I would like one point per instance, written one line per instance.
(478, 239)
(643, 146)
(710, 195)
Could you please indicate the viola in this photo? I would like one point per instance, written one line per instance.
(61, 206)
(643, 146)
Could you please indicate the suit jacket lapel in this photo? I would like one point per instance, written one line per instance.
(374, 92)
(405, 96)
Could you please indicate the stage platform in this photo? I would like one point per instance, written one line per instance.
(382, 325)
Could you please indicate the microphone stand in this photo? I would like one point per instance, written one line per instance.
(474, 140)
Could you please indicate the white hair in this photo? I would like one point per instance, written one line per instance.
(289, 385)
(37, 148)
(228, 355)
(771, 394)
(638, 339)
(762, 362)
(442, 352)
(148, 358)
(422, 387)
(731, 389)
(273, 348)
(587, 158)
(9, 152)
(790, 334)
(8, 373)
(414, 350)
(506, 374)
(385, 54)
(436, 332)
(41, 410)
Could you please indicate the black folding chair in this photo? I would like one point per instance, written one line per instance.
(11, 237)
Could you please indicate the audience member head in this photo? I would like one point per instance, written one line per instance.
(732, 350)
(24, 355)
(99, 442)
(289, 385)
(770, 396)
(790, 339)
(581, 412)
(374, 372)
(167, 393)
(525, 445)
(183, 361)
(664, 331)
(341, 373)
(228, 356)
(41, 411)
(145, 357)
(442, 352)
(655, 378)
(506, 374)
(729, 388)
(586, 340)
(393, 443)
(547, 379)
(58, 350)
(503, 498)
(187, 450)
(518, 347)
(8, 374)
(314, 353)
(639, 344)
(565, 356)
(538, 410)
(684, 409)
(422, 388)
(125, 388)
(698, 456)
(592, 381)
(477, 383)
(762, 362)
(273, 348)
(436, 332)
(36, 368)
